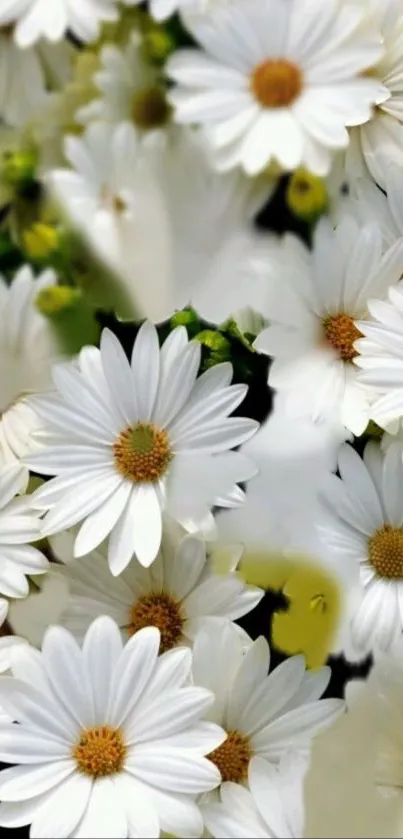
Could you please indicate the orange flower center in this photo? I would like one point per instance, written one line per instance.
(100, 751)
(142, 453)
(162, 611)
(341, 333)
(232, 757)
(386, 552)
(276, 83)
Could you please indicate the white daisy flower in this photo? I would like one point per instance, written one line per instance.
(265, 88)
(19, 525)
(25, 76)
(378, 143)
(35, 19)
(126, 441)
(263, 715)
(28, 348)
(132, 90)
(108, 740)
(112, 200)
(381, 358)
(318, 313)
(178, 594)
(272, 807)
(361, 526)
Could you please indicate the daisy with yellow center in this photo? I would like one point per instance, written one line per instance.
(265, 91)
(363, 529)
(178, 594)
(317, 313)
(140, 437)
(263, 714)
(104, 737)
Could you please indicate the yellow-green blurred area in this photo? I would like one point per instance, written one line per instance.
(310, 623)
(306, 195)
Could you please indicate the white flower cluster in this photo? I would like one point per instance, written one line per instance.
(134, 480)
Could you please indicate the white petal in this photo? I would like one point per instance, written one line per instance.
(178, 710)
(133, 671)
(99, 524)
(173, 770)
(101, 650)
(64, 666)
(139, 806)
(146, 523)
(21, 782)
(145, 364)
(253, 671)
(60, 813)
(104, 817)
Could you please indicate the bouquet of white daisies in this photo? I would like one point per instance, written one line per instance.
(201, 418)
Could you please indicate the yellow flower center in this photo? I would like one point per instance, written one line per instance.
(142, 453)
(232, 757)
(386, 552)
(306, 194)
(341, 333)
(150, 108)
(100, 751)
(162, 611)
(276, 83)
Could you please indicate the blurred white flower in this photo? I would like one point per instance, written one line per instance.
(265, 90)
(35, 19)
(25, 77)
(378, 143)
